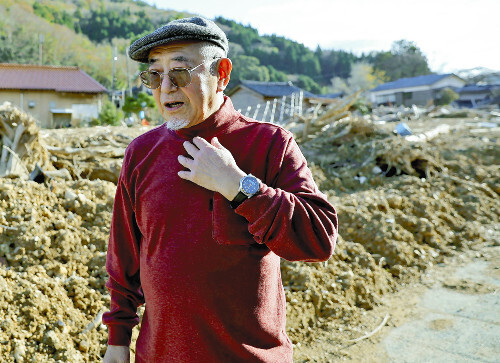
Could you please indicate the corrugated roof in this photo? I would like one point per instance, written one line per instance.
(478, 88)
(275, 89)
(426, 80)
(332, 95)
(54, 78)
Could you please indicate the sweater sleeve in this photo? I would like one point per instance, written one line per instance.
(122, 264)
(293, 218)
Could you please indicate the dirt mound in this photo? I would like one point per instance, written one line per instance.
(53, 243)
(403, 206)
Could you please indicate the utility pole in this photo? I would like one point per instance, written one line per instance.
(115, 58)
(128, 76)
(41, 39)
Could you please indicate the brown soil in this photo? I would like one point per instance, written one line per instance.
(403, 207)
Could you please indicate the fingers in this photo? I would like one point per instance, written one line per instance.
(215, 142)
(200, 142)
(185, 161)
(187, 175)
(190, 148)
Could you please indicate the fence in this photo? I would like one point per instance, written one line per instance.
(277, 110)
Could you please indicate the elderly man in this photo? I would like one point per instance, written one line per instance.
(206, 204)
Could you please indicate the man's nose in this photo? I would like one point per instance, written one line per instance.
(167, 85)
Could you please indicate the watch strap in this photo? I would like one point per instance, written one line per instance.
(240, 198)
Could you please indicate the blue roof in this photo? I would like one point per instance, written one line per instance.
(426, 80)
(332, 95)
(275, 89)
(479, 88)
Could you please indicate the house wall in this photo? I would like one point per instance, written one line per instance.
(471, 99)
(245, 97)
(419, 95)
(451, 82)
(39, 104)
(420, 98)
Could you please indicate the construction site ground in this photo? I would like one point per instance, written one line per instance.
(415, 272)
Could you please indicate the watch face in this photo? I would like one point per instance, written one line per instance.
(250, 185)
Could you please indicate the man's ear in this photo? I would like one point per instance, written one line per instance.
(224, 73)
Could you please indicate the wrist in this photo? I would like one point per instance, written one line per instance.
(249, 186)
(233, 185)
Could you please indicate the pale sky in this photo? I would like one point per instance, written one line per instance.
(453, 34)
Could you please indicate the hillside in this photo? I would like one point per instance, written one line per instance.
(89, 33)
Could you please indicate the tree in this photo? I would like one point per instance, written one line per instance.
(308, 84)
(248, 68)
(363, 77)
(445, 97)
(135, 104)
(276, 76)
(110, 115)
(17, 45)
(404, 60)
(336, 64)
(339, 85)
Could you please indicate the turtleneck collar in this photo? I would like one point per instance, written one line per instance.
(213, 125)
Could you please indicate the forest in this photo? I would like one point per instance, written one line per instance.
(91, 33)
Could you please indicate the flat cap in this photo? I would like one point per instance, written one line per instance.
(195, 28)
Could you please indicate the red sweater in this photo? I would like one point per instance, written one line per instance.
(210, 275)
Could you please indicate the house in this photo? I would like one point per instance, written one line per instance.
(252, 93)
(419, 90)
(252, 97)
(56, 96)
(473, 95)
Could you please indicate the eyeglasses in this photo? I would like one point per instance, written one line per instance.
(180, 77)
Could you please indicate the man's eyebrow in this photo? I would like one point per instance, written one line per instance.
(179, 58)
(182, 58)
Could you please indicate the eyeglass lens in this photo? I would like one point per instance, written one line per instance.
(180, 77)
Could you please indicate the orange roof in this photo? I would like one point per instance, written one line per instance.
(53, 78)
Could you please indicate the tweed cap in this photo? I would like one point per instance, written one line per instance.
(195, 28)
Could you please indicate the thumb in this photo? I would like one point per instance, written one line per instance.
(215, 142)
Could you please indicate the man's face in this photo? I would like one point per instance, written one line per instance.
(184, 106)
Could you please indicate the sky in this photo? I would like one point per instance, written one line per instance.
(453, 34)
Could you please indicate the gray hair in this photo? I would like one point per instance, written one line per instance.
(210, 51)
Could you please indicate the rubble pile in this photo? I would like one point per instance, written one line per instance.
(20, 147)
(403, 206)
(95, 154)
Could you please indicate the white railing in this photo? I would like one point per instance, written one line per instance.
(277, 110)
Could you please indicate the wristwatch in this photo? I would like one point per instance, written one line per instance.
(249, 186)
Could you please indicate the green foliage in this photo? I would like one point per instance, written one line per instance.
(336, 63)
(248, 68)
(108, 23)
(134, 104)
(276, 76)
(308, 84)
(404, 60)
(104, 24)
(11, 38)
(362, 105)
(110, 115)
(445, 97)
(271, 50)
(53, 14)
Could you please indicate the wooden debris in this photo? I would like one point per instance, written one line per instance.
(20, 147)
(386, 318)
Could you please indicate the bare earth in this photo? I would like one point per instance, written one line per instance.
(417, 251)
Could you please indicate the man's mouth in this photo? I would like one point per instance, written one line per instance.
(173, 105)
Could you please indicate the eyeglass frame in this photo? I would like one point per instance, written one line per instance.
(162, 75)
